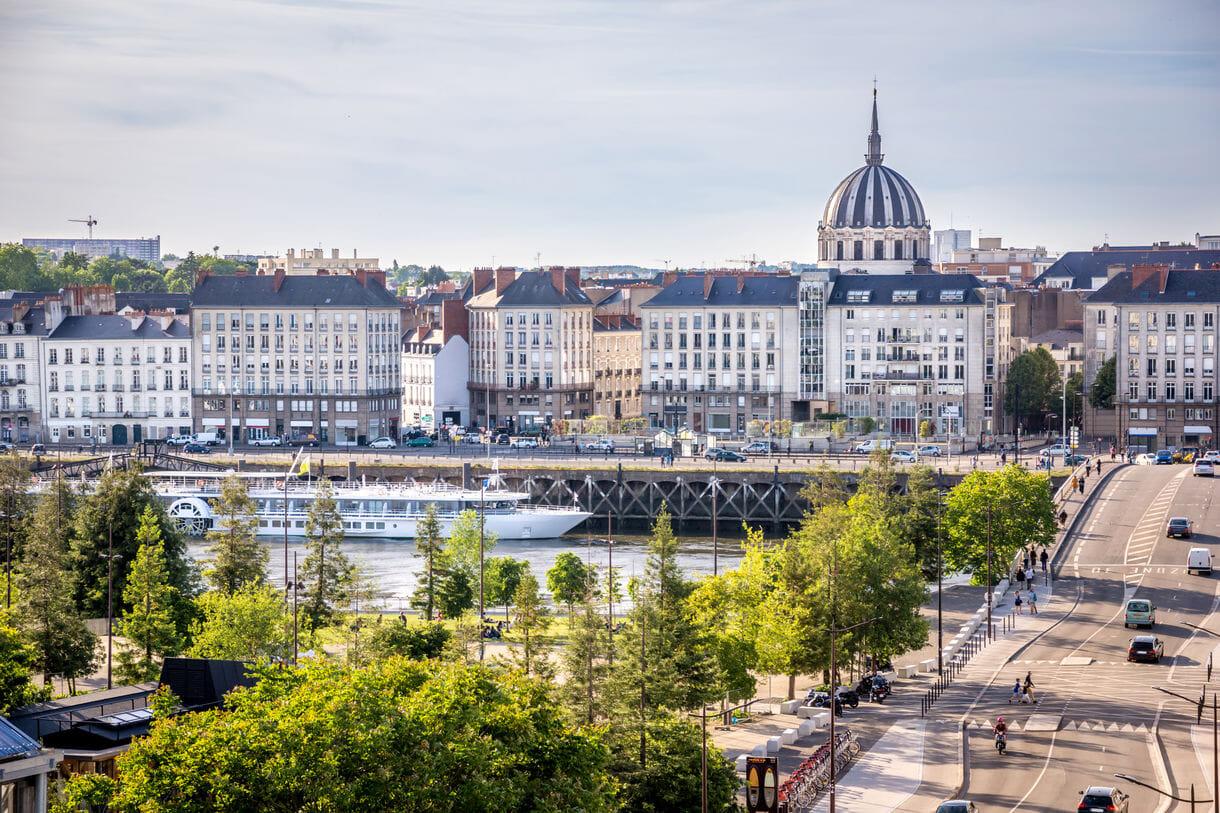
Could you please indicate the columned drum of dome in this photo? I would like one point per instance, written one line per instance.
(874, 219)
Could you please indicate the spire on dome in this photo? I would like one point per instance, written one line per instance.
(874, 156)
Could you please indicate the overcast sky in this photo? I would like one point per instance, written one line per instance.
(464, 131)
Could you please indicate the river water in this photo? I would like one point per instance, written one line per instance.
(393, 565)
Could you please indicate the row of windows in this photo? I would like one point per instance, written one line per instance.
(726, 320)
(305, 405)
(696, 340)
(905, 335)
(293, 365)
(117, 355)
(1152, 318)
(379, 323)
(383, 344)
(941, 370)
(296, 386)
(18, 349)
(942, 354)
(698, 360)
(866, 314)
(118, 381)
(119, 407)
(1170, 367)
(1153, 341)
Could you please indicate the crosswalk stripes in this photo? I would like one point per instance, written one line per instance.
(1068, 725)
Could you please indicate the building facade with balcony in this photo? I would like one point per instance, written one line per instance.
(115, 379)
(616, 365)
(902, 349)
(435, 373)
(22, 328)
(531, 347)
(721, 351)
(297, 357)
(1160, 323)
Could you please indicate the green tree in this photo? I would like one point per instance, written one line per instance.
(118, 502)
(249, 623)
(14, 500)
(532, 654)
(927, 429)
(149, 623)
(456, 594)
(1101, 395)
(465, 547)
(418, 642)
(17, 658)
(433, 276)
(568, 580)
(326, 570)
(920, 506)
(1032, 384)
(327, 737)
(428, 546)
(238, 558)
(501, 576)
(1012, 506)
(671, 777)
(46, 613)
(19, 269)
(866, 425)
(585, 664)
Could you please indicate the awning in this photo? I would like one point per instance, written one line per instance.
(258, 423)
(1143, 431)
(213, 421)
(1198, 430)
(302, 424)
(347, 423)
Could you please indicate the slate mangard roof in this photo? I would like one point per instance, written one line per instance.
(116, 327)
(760, 291)
(1182, 286)
(1083, 266)
(294, 292)
(927, 288)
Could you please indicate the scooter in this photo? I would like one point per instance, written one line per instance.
(1001, 742)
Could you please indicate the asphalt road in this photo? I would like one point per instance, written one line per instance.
(1101, 714)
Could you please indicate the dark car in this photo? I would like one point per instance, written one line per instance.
(957, 806)
(1178, 526)
(38, 448)
(1146, 648)
(196, 448)
(503, 440)
(1103, 800)
(761, 447)
(307, 440)
(1163, 456)
(725, 454)
(423, 440)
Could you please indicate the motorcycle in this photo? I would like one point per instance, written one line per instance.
(876, 688)
(819, 699)
(1001, 742)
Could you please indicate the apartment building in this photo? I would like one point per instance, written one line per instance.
(314, 262)
(992, 263)
(902, 349)
(105, 377)
(531, 347)
(436, 370)
(1160, 322)
(22, 328)
(616, 365)
(720, 351)
(300, 357)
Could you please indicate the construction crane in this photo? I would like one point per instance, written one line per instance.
(88, 221)
(752, 261)
(667, 262)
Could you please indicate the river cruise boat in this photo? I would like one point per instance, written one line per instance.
(381, 509)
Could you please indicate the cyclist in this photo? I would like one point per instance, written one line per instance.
(1001, 730)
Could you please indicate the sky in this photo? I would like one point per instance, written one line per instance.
(570, 132)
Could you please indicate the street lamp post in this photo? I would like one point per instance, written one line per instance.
(110, 556)
(989, 588)
(940, 592)
(294, 585)
(715, 508)
(1192, 801)
(482, 494)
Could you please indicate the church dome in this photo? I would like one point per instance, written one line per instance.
(874, 196)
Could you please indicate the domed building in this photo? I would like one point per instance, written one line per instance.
(874, 220)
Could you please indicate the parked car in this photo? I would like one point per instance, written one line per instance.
(383, 443)
(178, 440)
(422, 440)
(1179, 526)
(206, 438)
(1055, 451)
(903, 456)
(503, 440)
(1212, 457)
(196, 448)
(868, 446)
(1074, 459)
(1146, 648)
(1203, 468)
(304, 440)
(760, 447)
(930, 451)
(525, 443)
(603, 445)
(1103, 800)
(471, 437)
(1163, 457)
(270, 440)
(725, 455)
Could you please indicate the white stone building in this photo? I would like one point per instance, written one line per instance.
(22, 328)
(435, 374)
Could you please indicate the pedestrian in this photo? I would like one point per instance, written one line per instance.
(1063, 521)
(1003, 458)
(1075, 482)
(1081, 485)
(1029, 577)
(1033, 601)
(1019, 602)
(1112, 452)
(1016, 691)
(1020, 577)
(1044, 558)
(1029, 687)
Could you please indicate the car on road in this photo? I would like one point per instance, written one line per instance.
(602, 445)
(1098, 799)
(725, 455)
(1203, 468)
(1140, 612)
(1163, 457)
(903, 456)
(524, 443)
(957, 806)
(1055, 451)
(270, 440)
(1074, 459)
(868, 446)
(38, 448)
(196, 448)
(1212, 457)
(424, 440)
(383, 443)
(1146, 648)
(1199, 560)
(1179, 526)
(503, 440)
(178, 440)
(760, 447)
(930, 451)
(471, 437)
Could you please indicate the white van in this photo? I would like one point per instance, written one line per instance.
(869, 446)
(1140, 612)
(1199, 559)
(206, 438)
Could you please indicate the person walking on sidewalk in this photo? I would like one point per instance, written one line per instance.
(1028, 686)
(1075, 482)
(1029, 577)
(1044, 558)
(1033, 601)
(1016, 691)
(1018, 602)
(1020, 578)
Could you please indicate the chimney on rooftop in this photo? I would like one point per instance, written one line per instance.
(558, 279)
(504, 278)
(1140, 272)
(278, 281)
(291, 253)
(334, 253)
(669, 278)
(741, 282)
(708, 281)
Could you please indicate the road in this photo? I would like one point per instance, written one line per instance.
(1098, 714)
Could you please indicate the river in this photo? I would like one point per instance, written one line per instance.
(393, 565)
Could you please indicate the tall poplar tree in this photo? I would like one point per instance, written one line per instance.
(326, 571)
(429, 547)
(239, 560)
(148, 625)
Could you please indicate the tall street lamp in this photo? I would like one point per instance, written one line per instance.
(110, 556)
(482, 494)
(294, 586)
